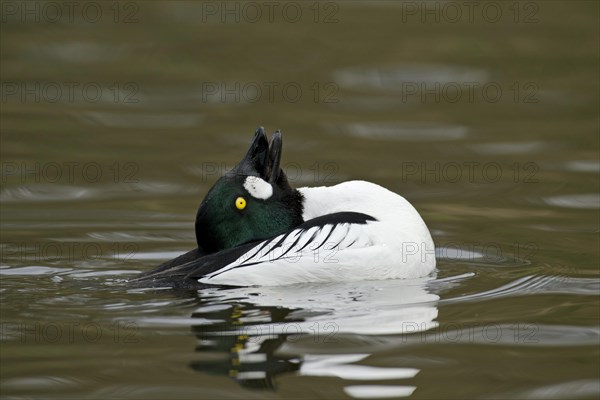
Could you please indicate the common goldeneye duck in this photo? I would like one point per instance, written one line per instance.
(253, 228)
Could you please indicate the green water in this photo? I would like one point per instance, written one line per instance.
(117, 117)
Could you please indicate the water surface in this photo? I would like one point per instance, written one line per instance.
(103, 184)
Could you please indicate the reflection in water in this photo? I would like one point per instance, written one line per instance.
(252, 335)
(248, 353)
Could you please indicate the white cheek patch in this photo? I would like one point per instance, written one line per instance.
(258, 188)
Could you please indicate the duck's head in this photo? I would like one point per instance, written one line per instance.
(251, 202)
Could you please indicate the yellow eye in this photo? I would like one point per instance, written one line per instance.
(240, 203)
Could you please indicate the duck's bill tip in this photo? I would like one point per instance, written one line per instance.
(256, 161)
(260, 131)
(276, 141)
(275, 149)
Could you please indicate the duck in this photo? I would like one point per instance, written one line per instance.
(254, 229)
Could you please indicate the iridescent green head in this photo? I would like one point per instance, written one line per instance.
(253, 201)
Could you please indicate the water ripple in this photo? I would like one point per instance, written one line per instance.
(41, 383)
(395, 77)
(52, 192)
(589, 201)
(583, 166)
(510, 147)
(33, 270)
(402, 131)
(584, 388)
(141, 237)
(45, 193)
(146, 120)
(534, 285)
(521, 334)
(77, 52)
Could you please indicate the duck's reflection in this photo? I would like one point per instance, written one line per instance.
(249, 352)
(257, 334)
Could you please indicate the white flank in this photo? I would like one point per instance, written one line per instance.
(258, 188)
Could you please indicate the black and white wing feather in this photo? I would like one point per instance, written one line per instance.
(329, 233)
(332, 232)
